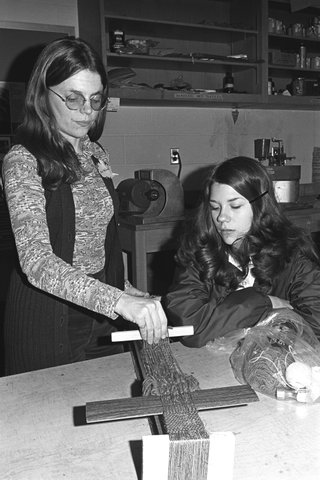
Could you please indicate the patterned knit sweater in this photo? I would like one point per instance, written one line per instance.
(93, 211)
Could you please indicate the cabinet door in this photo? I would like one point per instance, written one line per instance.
(180, 51)
(20, 45)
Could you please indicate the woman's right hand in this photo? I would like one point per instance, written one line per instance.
(280, 302)
(147, 313)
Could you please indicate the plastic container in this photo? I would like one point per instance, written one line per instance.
(117, 41)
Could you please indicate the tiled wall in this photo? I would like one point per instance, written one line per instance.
(139, 137)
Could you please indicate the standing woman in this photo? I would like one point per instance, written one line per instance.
(240, 256)
(68, 292)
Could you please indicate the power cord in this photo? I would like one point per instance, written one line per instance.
(179, 163)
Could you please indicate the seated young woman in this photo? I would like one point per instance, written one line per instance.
(240, 256)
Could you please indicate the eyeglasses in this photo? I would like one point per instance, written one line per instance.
(76, 101)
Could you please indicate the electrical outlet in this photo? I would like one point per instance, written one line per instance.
(174, 156)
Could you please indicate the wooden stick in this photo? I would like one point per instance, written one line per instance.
(124, 408)
(129, 335)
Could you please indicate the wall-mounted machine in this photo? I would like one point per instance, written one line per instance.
(285, 178)
(153, 195)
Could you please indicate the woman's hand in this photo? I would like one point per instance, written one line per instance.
(147, 313)
(279, 302)
(136, 292)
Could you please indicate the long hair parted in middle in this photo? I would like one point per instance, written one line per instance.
(271, 241)
(58, 61)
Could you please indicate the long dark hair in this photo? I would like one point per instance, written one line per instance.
(270, 243)
(58, 61)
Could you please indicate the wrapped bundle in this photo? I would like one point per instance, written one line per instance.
(279, 357)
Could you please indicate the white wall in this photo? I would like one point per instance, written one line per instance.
(141, 137)
(53, 12)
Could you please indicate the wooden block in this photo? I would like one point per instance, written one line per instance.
(156, 458)
(124, 408)
(221, 456)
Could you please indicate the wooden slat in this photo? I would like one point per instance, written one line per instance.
(124, 408)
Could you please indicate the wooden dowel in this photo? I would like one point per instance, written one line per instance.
(130, 335)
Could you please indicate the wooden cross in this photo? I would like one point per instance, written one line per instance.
(159, 461)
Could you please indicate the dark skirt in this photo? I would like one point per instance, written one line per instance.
(42, 331)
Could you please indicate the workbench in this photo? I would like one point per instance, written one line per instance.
(44, 437)
(138, 240)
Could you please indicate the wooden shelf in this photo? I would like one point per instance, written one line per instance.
(292, 40)
(177, 24)
(159, 97)
(192, 59)
(294, 102)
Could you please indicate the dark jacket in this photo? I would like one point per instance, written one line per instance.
(214, 313)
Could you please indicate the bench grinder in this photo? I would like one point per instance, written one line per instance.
(153, 195)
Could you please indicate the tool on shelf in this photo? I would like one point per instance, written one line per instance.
(285, 178)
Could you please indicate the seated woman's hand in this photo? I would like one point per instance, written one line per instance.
(147, 313)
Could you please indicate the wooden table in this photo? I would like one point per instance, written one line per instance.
(39, 441)
(140, 239)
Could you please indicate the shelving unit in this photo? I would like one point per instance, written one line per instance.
(289, 43)
(197, 38)
(193, 44)
(198, 58)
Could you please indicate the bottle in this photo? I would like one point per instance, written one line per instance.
(302, 56)
(301, 395)
(117, 40)
(271, 88)
(299, 86)
(228, 83)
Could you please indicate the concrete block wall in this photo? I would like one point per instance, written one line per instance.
(141, 137)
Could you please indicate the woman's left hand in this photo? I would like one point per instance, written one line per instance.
(146, 312)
